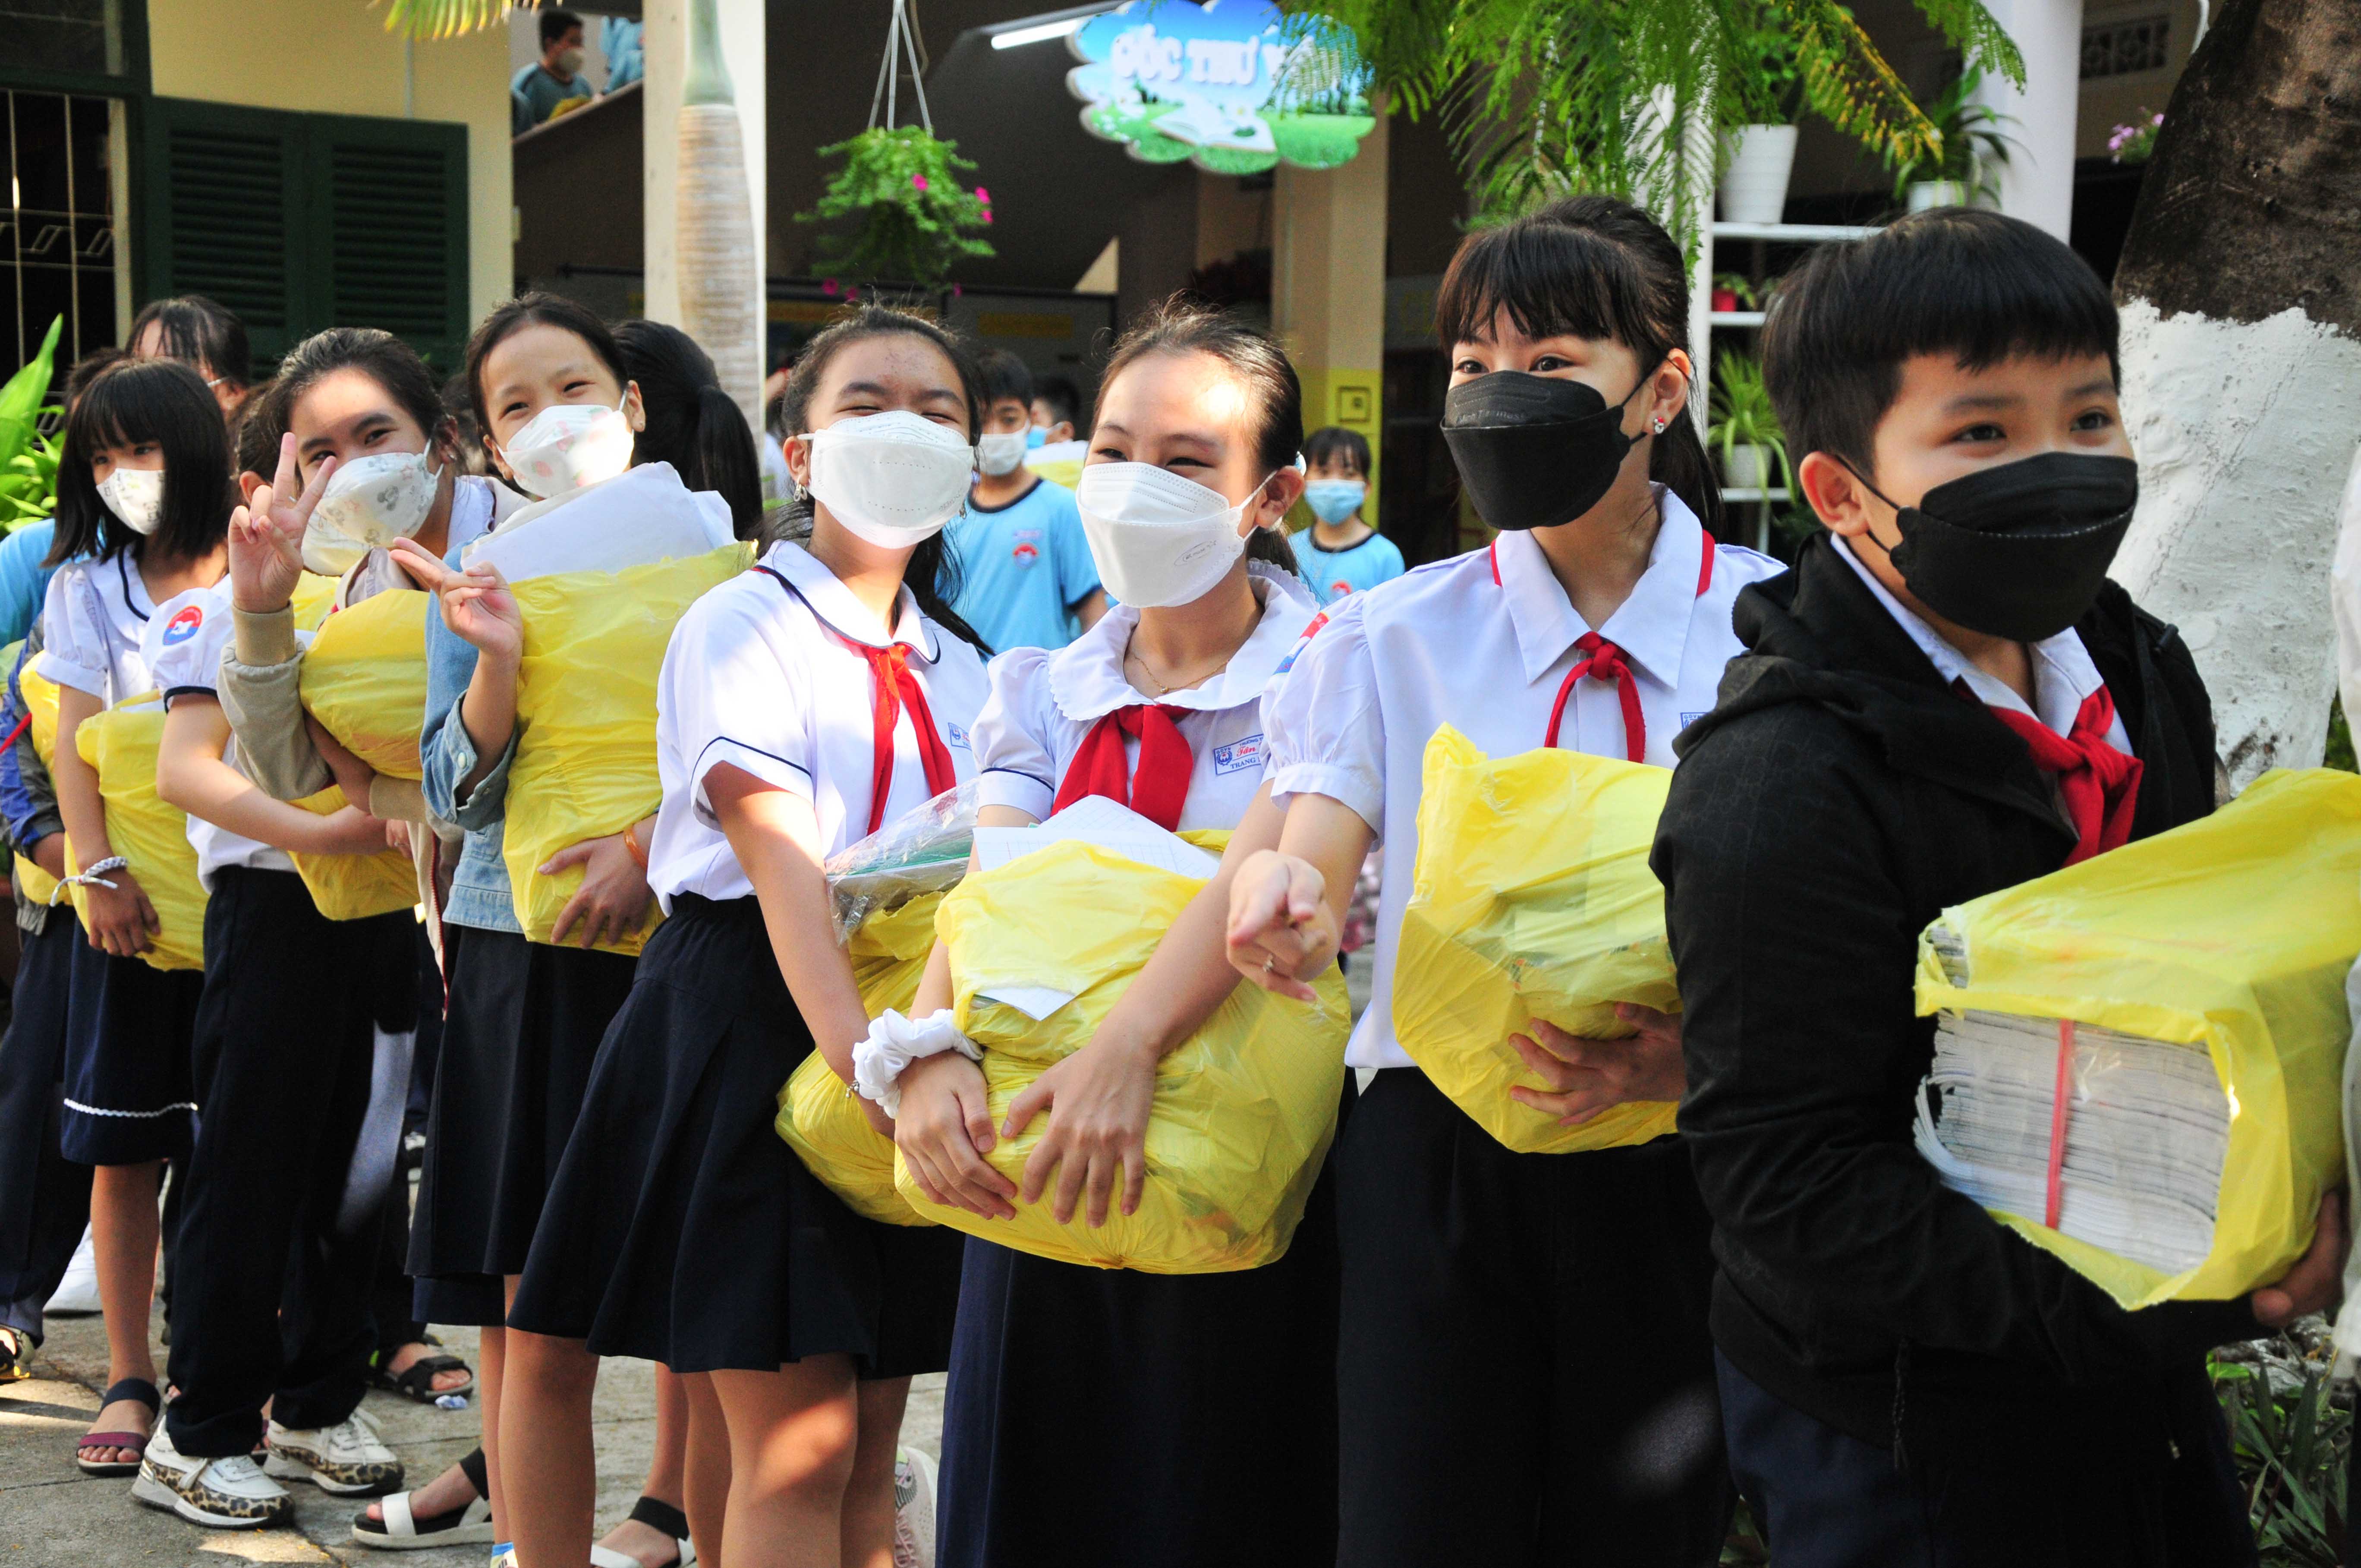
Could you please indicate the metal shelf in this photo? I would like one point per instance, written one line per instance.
(1737, 318)
(1793, 233)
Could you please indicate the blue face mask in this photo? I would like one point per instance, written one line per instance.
(1333, 501)
(1034, 434)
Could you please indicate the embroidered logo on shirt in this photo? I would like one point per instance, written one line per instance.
(1340, 588)
(1301, 643)
(959, 738)
(1238, 756)
(183, 626)
(1690, 718)
(1029, 546)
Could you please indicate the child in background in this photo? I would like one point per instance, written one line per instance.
(1945, 697)
(1025, 572)
(143, 499)
(1055, 410)
(1341, 551)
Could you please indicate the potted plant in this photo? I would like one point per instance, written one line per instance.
(911, 217)
(1971, 150)
(1743, 430)
(1760, 156)
(2135, 142)
(1735, 291)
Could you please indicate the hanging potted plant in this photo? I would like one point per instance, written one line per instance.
(1963, 169)
(910, 220)
(1760, 156)
(1743, 429)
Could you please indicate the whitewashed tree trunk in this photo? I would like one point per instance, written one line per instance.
(714, 219)
(2240, 288)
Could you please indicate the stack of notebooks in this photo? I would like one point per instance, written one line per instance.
(2146, 1132)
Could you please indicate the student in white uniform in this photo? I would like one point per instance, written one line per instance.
(1525, 1375)
(276, 1256)
(800, 707)
(1206, 1402)
(144, 497)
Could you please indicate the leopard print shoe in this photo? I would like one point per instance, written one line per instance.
(219, 1493)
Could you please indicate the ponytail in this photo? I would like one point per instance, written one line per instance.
(692, 423)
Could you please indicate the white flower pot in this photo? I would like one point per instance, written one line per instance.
(1754, 191)
(1925, 194)
(1747, 468)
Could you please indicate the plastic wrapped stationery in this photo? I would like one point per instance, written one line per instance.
(885, 889)
(1243, 1109)
(121, 743)
(2139, 1059)
(364, 678)
(1531, 899)
(41, 724)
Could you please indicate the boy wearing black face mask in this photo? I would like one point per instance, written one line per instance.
(1945, 697)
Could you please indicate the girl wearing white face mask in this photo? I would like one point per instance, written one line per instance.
(800, 707)
(1202, 1408)
(143, 498)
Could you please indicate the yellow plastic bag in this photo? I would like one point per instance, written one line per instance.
(2232, 935)
(41, 704)
(1531, 899)
(585, 756)
(314, 600)
(354, 887)
(364, 679)
(819, 1116)
(1244, 1111)
(121, 742)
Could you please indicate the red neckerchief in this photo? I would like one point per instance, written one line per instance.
(1158, 788)
(2098, 785)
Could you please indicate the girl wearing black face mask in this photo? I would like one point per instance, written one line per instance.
(1598, 621)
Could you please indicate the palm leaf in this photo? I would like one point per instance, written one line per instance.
(430, 19)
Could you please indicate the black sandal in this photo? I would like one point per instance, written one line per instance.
(416, 1381)
(130, 1388)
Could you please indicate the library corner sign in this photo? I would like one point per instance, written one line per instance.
(1230, 85)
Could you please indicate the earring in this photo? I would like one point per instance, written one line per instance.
(1660, 427)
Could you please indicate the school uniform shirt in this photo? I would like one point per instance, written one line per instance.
(1332, 573)
(1023, 567)
(1484, 642)
(768, 674)
(184, 649)
(93, 617)
(1044, 705)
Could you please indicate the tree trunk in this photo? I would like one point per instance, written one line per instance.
(2240, 288)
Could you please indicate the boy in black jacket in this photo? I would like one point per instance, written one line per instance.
(1945, 697)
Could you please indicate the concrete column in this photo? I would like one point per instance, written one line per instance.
(1328, 289)
(2038, 182)
(666, 53)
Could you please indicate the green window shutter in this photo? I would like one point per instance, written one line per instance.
(389, 199)
(219, 214)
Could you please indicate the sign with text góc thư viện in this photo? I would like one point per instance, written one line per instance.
(1230, 85)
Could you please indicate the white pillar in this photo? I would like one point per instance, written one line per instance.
(2038, 182)
(666, 55)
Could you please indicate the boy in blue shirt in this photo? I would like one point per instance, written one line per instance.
(1025, 573)
(1340, 553)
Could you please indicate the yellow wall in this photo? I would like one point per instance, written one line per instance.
(335, 57)
(1328, 292)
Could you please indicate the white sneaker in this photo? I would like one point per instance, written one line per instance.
(349, 1459)
(220, 1493)
(914, 1509)
(77, 1294)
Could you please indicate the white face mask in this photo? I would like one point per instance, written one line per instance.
(568, 445)
(894, 479)
(997, 453)
(135, 496)
(369, 503)
(1158, 539)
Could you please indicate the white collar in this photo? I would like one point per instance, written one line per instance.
(1086, 675)
(833, 603)
(1652, 626)
(2063, 676)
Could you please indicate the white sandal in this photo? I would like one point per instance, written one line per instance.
(400, 1532)
(657, 1515)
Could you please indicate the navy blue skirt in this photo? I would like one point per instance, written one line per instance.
(130, 1027)
(681, 1229)
(44, 1197)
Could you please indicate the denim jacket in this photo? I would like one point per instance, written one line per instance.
(480, 888)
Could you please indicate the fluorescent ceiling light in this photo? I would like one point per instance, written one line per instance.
(1040, 32)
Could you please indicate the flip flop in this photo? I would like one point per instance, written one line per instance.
(138, 1388)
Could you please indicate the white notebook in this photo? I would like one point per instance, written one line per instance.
(2147, 1131)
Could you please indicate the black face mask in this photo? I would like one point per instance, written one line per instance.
(2017, 550)
(1534, 451)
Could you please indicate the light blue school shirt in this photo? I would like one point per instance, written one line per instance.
(24, 581)
(1023, 567)
(1332, 573)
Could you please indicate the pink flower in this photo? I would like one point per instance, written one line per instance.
(956, 290)
(919, 181)
(828, 287)
(850, 294)
(987, 214)
(983, 195)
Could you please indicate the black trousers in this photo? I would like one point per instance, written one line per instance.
(1825, 1499)
(44, 1197)
(271, 1300)
(1524, 1375)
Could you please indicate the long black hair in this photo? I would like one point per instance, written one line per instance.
(536, 309)
(692, 423)
(384, 358)
(933, 570)
(1256, 363)
(1596, 267)
(135, 401)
